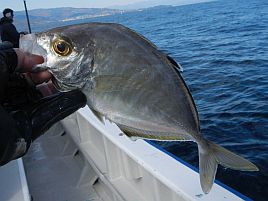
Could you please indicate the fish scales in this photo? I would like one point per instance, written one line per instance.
(151, 83)
(129, 81)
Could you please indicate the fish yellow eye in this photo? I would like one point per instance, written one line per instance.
(61, 47)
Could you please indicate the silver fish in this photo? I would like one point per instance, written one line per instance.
(129, 81)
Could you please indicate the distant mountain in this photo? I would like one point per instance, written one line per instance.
(152, 3)
(58, 15)
(41, 19)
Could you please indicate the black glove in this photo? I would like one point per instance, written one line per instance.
(32, 120)
(54, 108)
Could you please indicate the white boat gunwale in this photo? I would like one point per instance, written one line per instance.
(237, 193)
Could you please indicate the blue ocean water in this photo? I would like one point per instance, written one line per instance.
(223, 48)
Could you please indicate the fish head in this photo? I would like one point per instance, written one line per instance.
(67, 53)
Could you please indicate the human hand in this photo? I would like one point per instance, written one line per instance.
(26, 64)
(57, 103)
(31, 117)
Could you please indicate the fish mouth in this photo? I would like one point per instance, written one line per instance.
(39, 68)
(56, 83)
(60, 86)
(29, 44)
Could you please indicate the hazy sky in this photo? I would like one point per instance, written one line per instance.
(32, 4)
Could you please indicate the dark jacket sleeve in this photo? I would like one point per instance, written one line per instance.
(10, 33)
(8, 63)
(12, 145)
(8, 131)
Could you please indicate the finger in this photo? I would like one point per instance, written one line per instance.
(40, 77)
(47, 89)
(27, 61)
(31, 60)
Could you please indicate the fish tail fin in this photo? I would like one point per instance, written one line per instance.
(210, 155)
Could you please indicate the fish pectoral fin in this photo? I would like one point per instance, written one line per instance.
(210, 155)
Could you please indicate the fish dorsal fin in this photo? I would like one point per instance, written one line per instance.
(176, 66)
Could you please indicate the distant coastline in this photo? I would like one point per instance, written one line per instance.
(41, 17)
(46, 16)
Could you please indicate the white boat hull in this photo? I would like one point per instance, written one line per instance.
(82, 158)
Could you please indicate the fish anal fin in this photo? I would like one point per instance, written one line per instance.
(135, 134)
(98, 115)
(131, 135)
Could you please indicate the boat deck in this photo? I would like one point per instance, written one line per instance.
(54, 172)
(13, 184)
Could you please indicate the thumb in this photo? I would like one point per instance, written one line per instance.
(26, 61)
